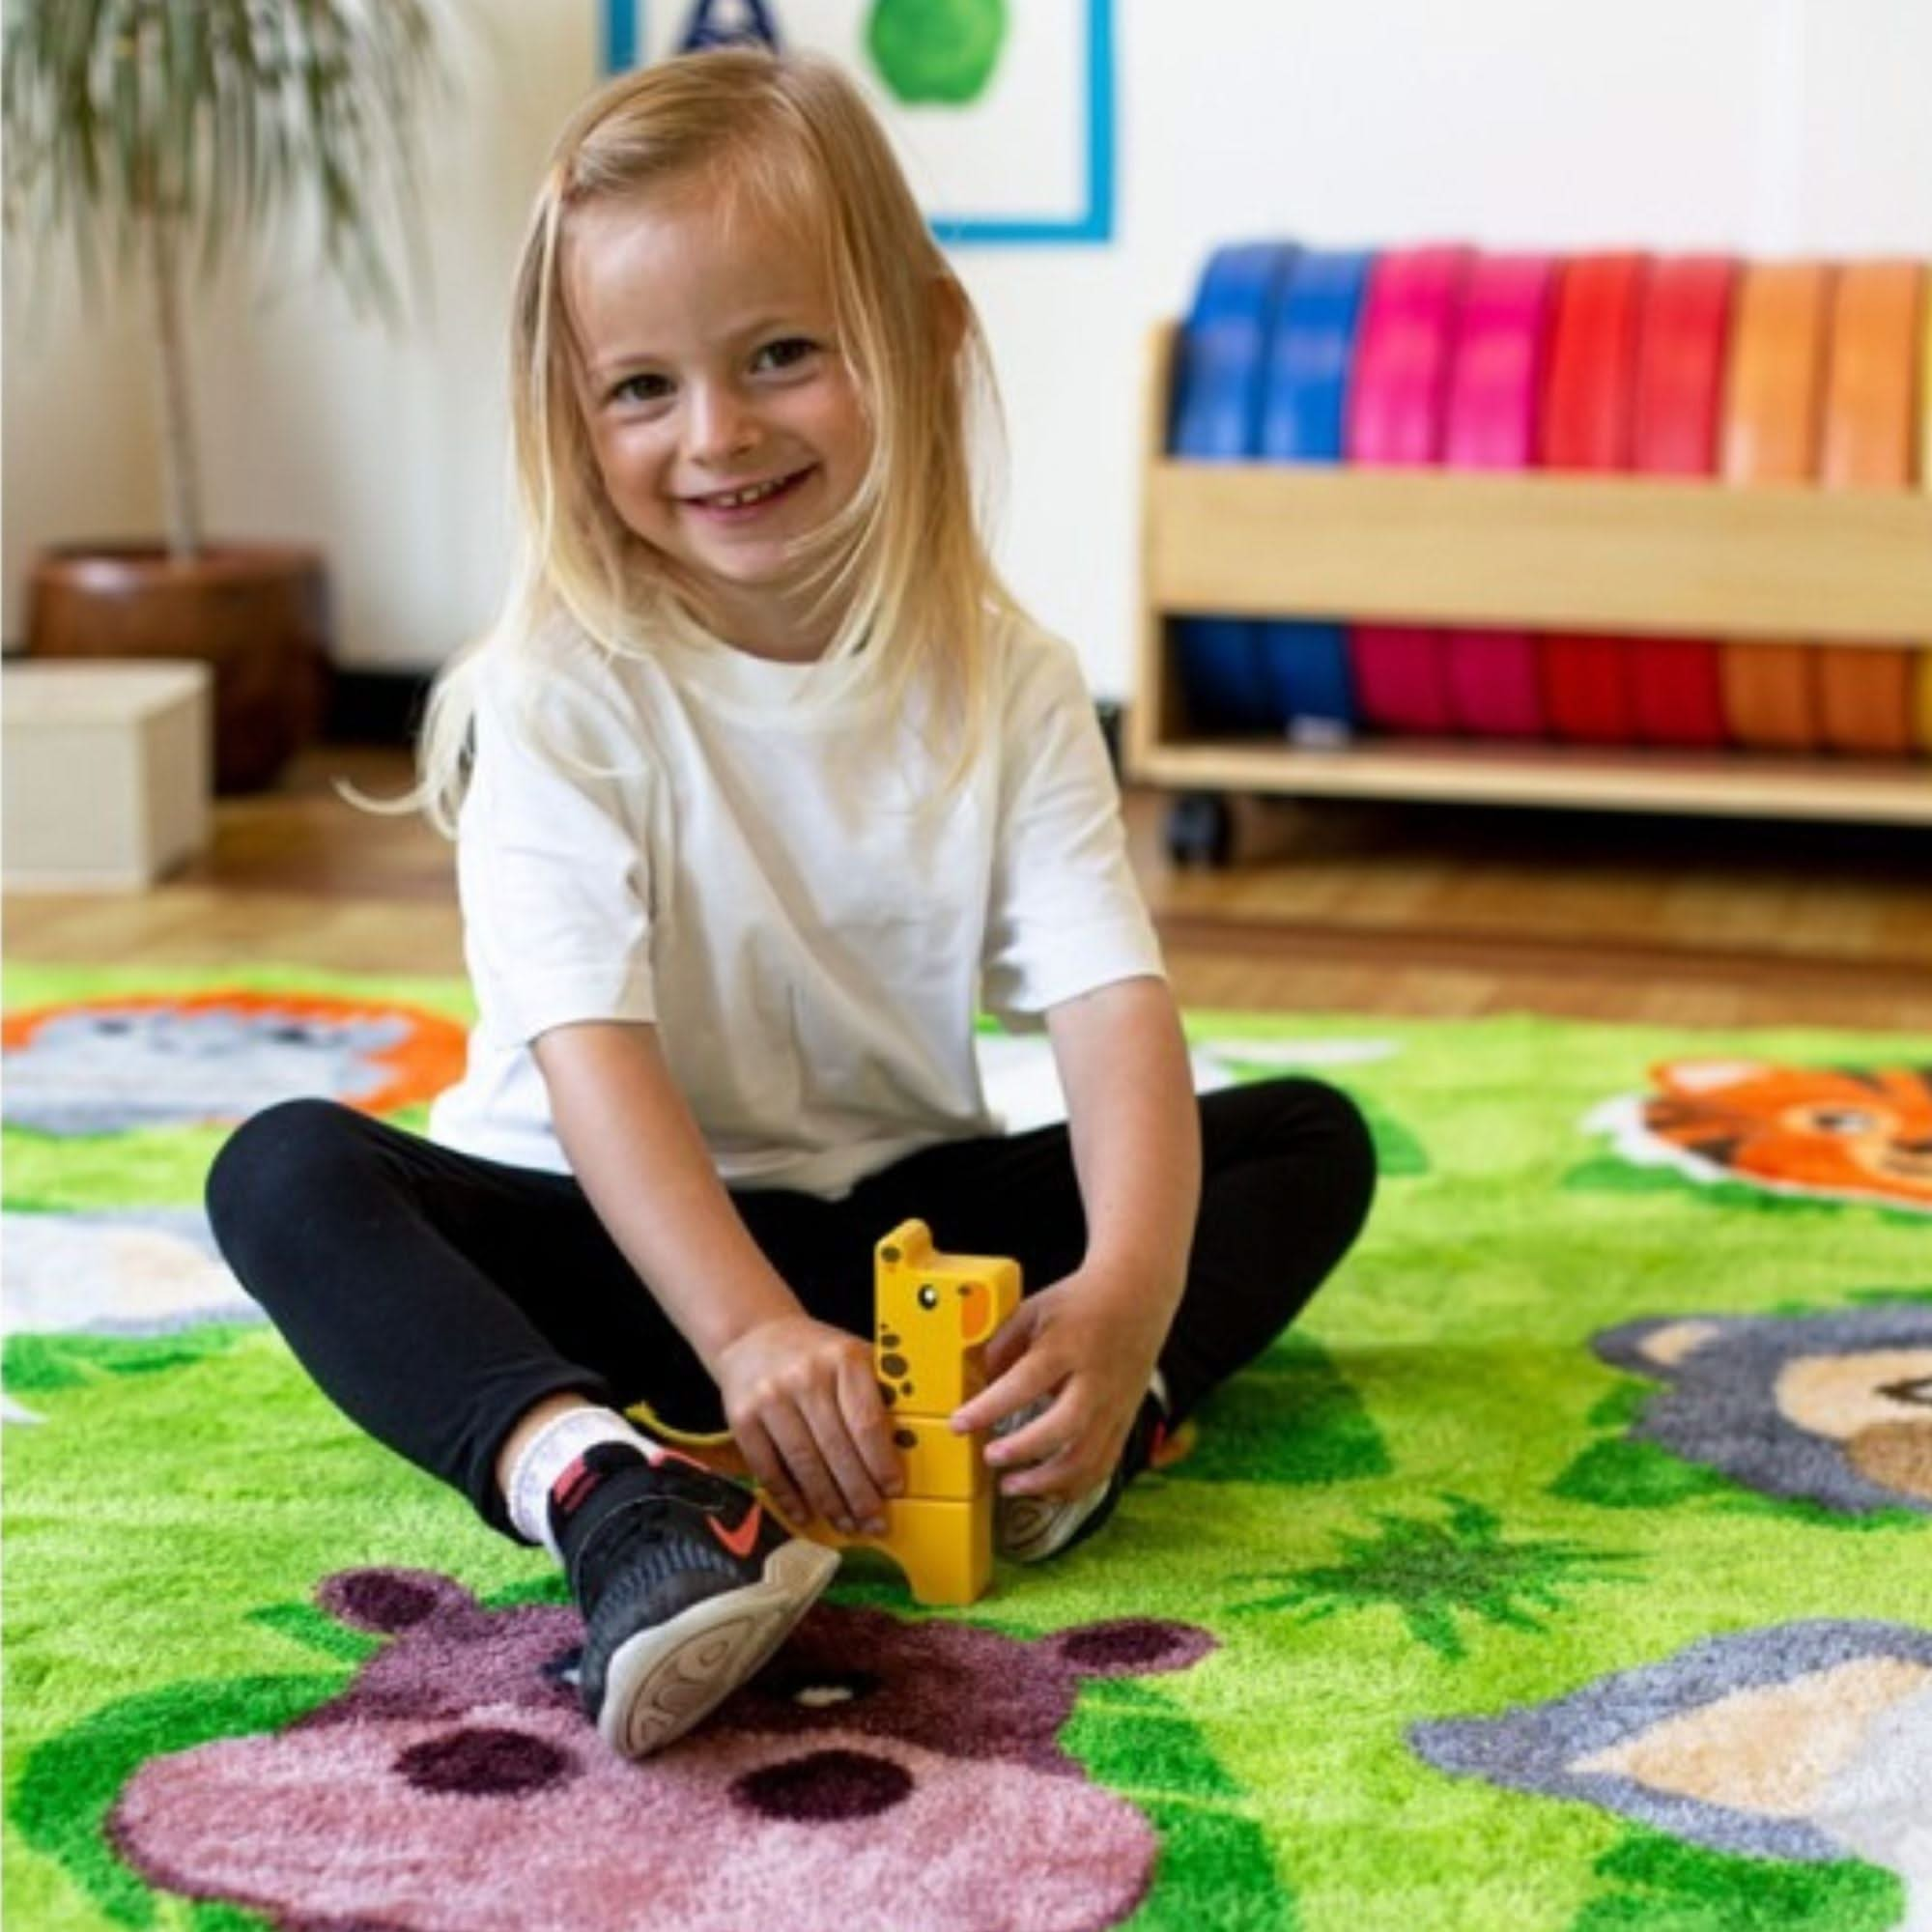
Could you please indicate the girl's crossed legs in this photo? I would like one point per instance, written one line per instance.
(436, 1298)
(476, 1317)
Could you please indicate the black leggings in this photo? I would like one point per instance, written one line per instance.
(435, 1297)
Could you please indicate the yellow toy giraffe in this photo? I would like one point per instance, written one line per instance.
(932, 1315)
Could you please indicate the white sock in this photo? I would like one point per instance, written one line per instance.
(547, 1454)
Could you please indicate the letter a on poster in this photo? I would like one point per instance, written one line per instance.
(1001, 110)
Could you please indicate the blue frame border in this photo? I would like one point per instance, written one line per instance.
(624, 39)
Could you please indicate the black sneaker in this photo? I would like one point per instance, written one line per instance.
(1029, 1529)
(685, 1583)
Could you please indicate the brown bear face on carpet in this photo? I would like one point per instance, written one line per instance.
(878, 1774)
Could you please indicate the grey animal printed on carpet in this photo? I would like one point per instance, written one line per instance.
(1834, 1409)
(111, 1068)
(1802, 1741)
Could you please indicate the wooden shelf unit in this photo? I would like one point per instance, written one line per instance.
(1547, 551)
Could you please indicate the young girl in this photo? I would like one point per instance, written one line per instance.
(762, 787)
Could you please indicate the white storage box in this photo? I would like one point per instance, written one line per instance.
(107, 770)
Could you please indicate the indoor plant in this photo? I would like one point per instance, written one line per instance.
(155, 133)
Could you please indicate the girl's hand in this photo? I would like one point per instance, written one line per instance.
(803, 1401)
(1089, 1342)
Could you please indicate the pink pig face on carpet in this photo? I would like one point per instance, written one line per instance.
(878, 1775)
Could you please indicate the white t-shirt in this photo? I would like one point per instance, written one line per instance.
(751, 871)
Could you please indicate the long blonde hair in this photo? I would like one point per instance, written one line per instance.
(901, 570)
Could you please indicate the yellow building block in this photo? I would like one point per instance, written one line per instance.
(936, 1462)
(934, 1313)
(944, 1549)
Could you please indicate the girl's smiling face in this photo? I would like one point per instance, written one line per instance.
(724, 422)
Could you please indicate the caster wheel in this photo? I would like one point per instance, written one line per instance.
(1201, 830)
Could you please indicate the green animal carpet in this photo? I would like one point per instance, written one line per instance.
(1570, 1565)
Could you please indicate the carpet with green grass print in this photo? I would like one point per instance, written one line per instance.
(1569, 1567)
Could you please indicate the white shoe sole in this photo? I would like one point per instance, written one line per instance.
(1029, 1529)
(663, 1681)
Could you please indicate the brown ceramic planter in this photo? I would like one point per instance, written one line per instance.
(257, 614)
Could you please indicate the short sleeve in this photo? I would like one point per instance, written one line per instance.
(1066, 915)
(552, 860)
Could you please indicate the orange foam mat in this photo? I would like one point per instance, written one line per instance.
(1864, 690)
(1588, 406)
(1769, 435)
(1921, 683)
(1681, 338)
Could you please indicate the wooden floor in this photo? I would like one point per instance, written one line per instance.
(1336, 907)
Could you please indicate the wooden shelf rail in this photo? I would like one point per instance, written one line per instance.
(1547, 551)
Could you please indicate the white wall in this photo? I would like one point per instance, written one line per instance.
(387, 448)
(81, 450)
(1761, 125)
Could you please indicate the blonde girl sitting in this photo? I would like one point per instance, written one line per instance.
(762, 788)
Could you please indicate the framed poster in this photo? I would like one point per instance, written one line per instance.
(1001, 110)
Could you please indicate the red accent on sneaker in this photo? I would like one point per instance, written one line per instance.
(739, 1541)
(656, 1454)
(571, 1487)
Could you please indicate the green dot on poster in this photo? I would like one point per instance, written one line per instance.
(936, 51)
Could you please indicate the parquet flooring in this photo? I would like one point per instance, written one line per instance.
(1343, 906)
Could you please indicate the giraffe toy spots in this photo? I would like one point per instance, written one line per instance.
(933, 1314)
